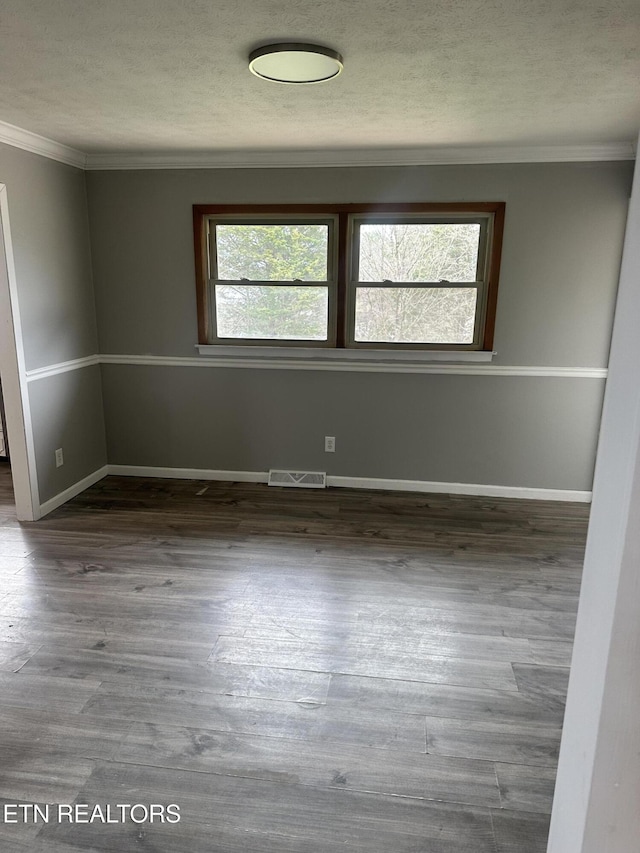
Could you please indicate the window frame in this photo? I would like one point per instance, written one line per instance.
(341, 312)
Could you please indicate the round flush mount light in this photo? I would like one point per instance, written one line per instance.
(295, 62)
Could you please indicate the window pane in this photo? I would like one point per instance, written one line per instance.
(296, 313)
(419, 251)
(413, 315)
(272, 252)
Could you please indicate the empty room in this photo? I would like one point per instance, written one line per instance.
(320, 397)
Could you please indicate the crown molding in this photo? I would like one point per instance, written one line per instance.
(327, 157)
(36, 144)
(17, 137)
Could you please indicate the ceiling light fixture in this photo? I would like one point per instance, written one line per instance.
(295, 62)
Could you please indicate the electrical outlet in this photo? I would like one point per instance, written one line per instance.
(59, 457)
(329, 444)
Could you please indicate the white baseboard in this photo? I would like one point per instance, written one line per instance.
(72, 491)
(461, 489)
(360, 483)
(189, 473)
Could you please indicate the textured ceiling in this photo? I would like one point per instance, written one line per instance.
(156, 75)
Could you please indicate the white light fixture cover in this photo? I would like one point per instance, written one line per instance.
(295, 62)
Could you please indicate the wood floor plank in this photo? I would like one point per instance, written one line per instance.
(520, 832)
(32, 775)
(26, 691)
(106, 621)
(114, 634)
(272, 683)
(59, 660)
(273, 718)
(364, 659)
(423, 640)
(10, 566)
(197, 837)
(99, 661)
(547, 683)
(125, 576)
(549, 652)
(324, 765)
(474, 600)
(526, 788)
(445, 700)
(14, 549)
(218, 614)
(45, 731)
(482, 617)
(17, 836)
(516, 743)
(14, 655)
(357, 821)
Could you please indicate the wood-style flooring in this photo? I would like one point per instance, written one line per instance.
(300, 671)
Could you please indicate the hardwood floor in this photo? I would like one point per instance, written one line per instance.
(299, 671)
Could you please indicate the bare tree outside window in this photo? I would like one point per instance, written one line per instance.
(417, 252)
(407, 315)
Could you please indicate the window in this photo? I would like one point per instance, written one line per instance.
(358, 276)
(272, 279)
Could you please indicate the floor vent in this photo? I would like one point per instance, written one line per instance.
(299, 479)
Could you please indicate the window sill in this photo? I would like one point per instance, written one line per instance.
(309, 358)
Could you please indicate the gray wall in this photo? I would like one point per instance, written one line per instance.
(50, 236)
(49, 229)
(563, 239)
(66, 412)
(458, 429)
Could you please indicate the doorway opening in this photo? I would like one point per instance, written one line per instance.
(7, 501)
(16, 419)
